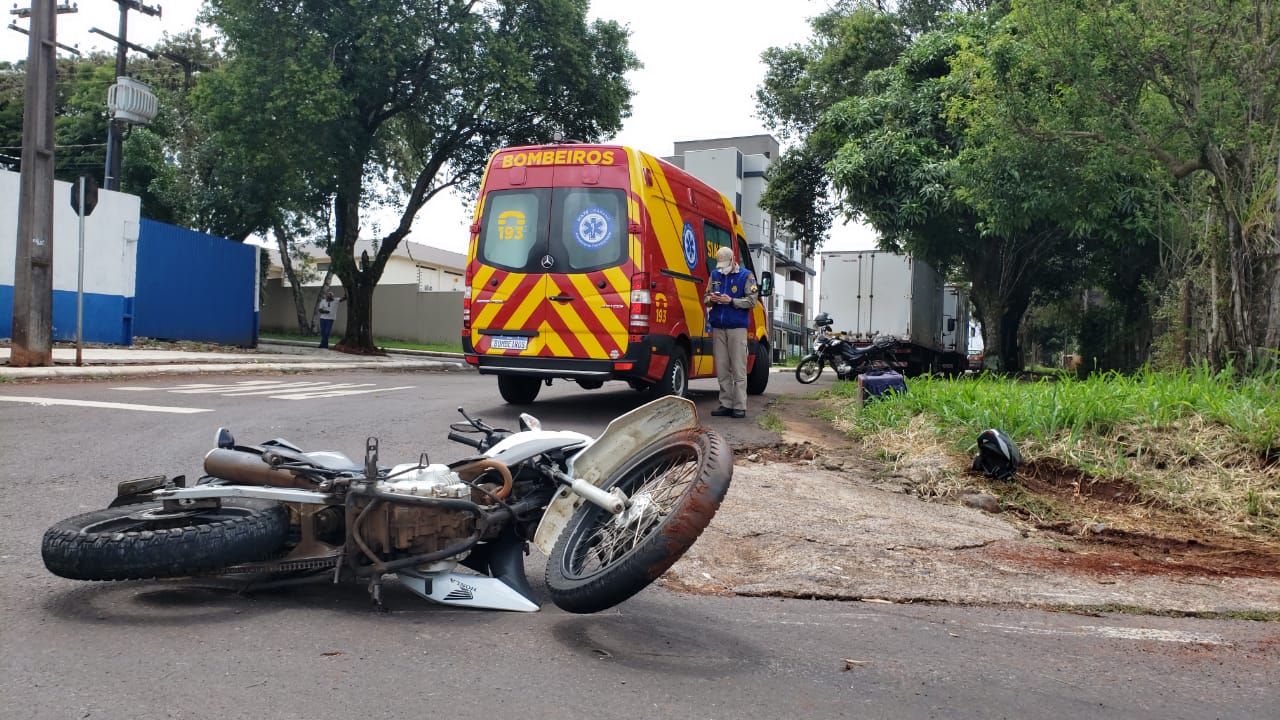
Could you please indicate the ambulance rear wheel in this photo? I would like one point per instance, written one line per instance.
(519, 390)
(758, 378)
(675, 381)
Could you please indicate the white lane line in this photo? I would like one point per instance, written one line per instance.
(325, 393)
(1178, 636)
(287, 387)
(275, 389)
(1120, 633)
(105, 405)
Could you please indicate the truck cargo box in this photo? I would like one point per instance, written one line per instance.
(870, 293)
(955, 320)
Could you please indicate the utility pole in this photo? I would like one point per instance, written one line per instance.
(115, 128)
(33, 265)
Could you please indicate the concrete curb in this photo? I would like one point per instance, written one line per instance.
(101, 371)
(389, 351)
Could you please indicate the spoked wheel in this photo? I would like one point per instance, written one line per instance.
(675, 485)
(809, 369)
(135, 542)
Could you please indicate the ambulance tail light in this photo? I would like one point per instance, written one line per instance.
(641, 304)
(466, 305)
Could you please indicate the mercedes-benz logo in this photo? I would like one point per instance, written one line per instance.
(547, 262)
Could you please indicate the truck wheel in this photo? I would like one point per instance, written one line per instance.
(675, 381)
(758, 378)
(519, 390)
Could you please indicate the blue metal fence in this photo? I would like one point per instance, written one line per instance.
(193, 286)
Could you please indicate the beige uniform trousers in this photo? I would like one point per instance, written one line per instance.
(730, 348)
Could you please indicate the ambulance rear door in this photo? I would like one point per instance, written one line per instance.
(587, 263)
(553, 279)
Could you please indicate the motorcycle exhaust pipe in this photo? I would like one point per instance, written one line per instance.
(245, 468)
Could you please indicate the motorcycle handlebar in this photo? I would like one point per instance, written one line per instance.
(476, 443)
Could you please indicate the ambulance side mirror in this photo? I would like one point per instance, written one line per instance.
(766, 284)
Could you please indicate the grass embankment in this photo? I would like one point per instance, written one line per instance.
(1195, 443)
(384, 343)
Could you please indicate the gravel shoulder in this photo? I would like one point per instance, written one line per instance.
(814, 517)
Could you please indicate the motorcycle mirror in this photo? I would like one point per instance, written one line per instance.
(224, 439)
(473, 423)
(529, 422)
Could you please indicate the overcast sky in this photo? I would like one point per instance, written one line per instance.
(701, 69)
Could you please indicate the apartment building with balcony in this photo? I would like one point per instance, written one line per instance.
(736, 166)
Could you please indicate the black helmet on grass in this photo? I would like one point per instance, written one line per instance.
(997, 456)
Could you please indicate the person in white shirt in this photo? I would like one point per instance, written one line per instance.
(327, 311)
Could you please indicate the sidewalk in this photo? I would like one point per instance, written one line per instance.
(120, 361)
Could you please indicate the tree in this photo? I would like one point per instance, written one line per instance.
(802, 83)
(414, 95)
(933, 156)
(1192, 88)
(890, 153)
(901, 167)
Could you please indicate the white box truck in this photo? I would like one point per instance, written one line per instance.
(871, 293)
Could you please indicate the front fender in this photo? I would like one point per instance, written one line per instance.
(598, 462)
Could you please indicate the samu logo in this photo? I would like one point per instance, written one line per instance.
(593, 228)
(689, 241)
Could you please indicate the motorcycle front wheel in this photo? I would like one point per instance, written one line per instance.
(143, 541)
(675, 485)
(809, 369)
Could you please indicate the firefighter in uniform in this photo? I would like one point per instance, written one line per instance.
(732, 294)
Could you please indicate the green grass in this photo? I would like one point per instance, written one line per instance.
(772, 422)
(1195, 440)
(384, 343)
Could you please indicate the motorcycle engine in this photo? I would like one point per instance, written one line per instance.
(392, 528)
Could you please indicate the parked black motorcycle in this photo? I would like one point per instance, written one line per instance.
(845, 359)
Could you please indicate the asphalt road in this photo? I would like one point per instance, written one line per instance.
(201, 650)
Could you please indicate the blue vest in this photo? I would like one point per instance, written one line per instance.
(735, 286)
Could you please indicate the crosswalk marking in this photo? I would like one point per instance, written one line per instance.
(274, 389)
(97, 404)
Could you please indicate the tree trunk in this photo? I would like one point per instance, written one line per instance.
(1215, 323)
(359, 276)
(1000, 289)
(286, 262)
(358, 336)
(1188, 287)
(1272, 337)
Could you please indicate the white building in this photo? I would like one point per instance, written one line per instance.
(736, 167)
(430, 268)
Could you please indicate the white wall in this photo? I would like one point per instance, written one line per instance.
(110, 239)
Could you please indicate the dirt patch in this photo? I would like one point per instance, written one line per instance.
(819, 516)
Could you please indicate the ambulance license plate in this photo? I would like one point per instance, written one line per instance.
(507, 342)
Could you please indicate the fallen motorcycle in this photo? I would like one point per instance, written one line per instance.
(847, 360)
(611, 513)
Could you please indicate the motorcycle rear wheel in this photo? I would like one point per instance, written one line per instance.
(675, 485)
(809, 369)
(141, 541)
